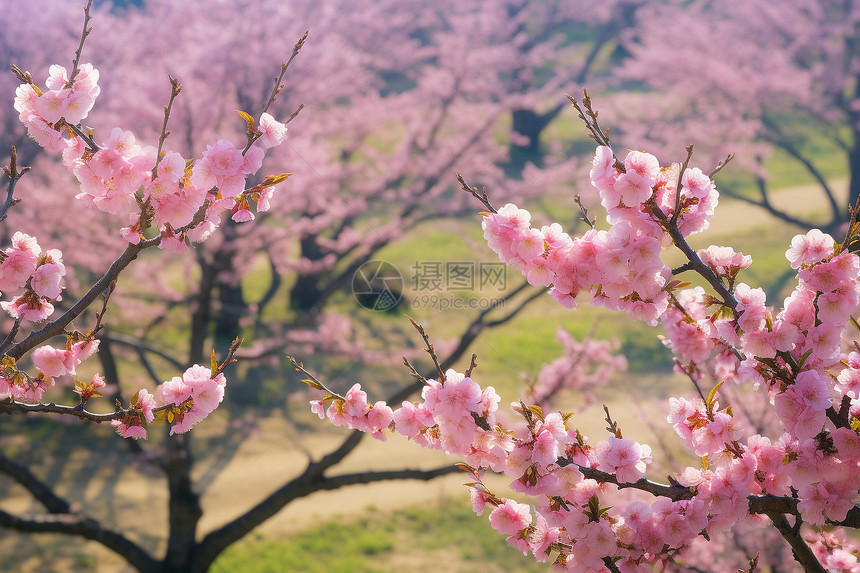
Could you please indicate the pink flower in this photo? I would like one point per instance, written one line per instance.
(172, 167)
(46, 280)
(147, 403)
(53, 362)
(356, 402)
(223, 158)
(242, 216)
(273, 132)
(643, 164)
(602, 170)
(810, 248)
(623, 457)
(378, 418)
(29, 308)
(135, 430)
(318, 408)
(510, 517)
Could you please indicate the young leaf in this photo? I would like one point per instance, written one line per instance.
(249, 120)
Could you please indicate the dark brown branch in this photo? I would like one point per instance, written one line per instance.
(9, 405)
(57, 326)
(14, 173)
(88, 528)
(799, 549)
(694, 263)
(37, 488)
(311, 480)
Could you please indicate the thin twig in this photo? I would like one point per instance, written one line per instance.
(578, 200)
(87, 138)
(589, 116)
(316, 382)
(10, 338)
(284, 65)
(677, 213)
(414, 371)
(14, 173)
(295, 113)
(472, 365)
(473, 191)
(86, 32)
(721, 165)
(175, 88)
(429, 349)
(612, 428)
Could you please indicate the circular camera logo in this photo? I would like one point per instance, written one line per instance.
(377, 285)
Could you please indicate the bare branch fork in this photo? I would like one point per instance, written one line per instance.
(473, 191)
(14, 173)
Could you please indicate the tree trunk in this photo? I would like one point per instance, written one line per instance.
(183, 507)
(528, 123)
(306, 292)
(202, 314)
(233, 307)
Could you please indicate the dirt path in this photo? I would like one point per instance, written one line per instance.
(733, 215)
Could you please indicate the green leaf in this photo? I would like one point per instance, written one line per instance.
(803, 358)
(537, 411)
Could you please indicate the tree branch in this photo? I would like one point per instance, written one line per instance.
(57, 326)
(88, 528)
(309, 482)
(799, 549)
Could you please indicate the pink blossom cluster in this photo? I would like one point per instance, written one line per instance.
(195, 395)
(544, 457)
(40, 111)
(39, 273)
(792, 354)
(119, 176)
(51, 363)
(621, 266)
(152, 189)
(355, 413)
(838, 553)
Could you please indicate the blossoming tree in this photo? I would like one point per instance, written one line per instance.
(134, 197)
(802, 480)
